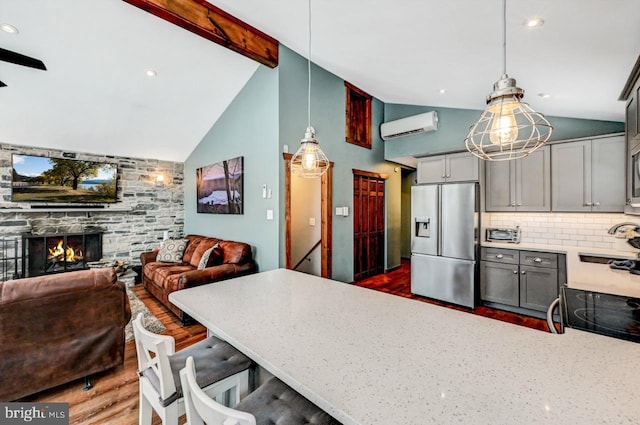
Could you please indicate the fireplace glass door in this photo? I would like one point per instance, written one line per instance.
(43, 254)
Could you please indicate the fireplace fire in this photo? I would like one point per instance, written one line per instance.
(55, 253)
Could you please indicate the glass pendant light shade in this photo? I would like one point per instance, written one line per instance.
(309, 161)
(508, 128)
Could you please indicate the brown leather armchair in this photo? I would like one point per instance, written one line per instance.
(58, 328)
(231, 259)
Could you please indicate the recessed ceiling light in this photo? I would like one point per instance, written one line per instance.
(442, 91)
(544, 95)
(8, 28)
(150, 73)
(533, 22)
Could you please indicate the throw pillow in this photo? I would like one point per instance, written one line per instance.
(205, 259)
(172, 251)
(211, 257)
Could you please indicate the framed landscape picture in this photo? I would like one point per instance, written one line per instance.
(219, 187)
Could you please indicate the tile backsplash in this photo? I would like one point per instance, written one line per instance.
(584, 230)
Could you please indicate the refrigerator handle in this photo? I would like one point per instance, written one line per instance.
(439, 220)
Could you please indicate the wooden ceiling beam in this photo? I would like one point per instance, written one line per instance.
(212, 23)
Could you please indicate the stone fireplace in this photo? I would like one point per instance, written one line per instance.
(60, 252)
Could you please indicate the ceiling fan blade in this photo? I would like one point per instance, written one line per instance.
(2, 84)
(18, 59)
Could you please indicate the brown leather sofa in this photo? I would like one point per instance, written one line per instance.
(230, 259)
(58, 328)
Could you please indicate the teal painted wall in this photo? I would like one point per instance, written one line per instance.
(249, 128)
(328, 119)
(454, 126)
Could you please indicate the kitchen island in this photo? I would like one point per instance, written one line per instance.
(371, 358)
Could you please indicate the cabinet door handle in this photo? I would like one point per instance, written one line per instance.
(596, 204)
(499, 256)
(515, 272)
(523, 272)
(513, 204)
(587, 204)
(444, 176)
(519, 204)
(537, 260)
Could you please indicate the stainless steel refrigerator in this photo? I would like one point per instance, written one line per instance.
(444, 242)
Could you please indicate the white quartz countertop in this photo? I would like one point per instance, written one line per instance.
(370, 358)
(589, 276)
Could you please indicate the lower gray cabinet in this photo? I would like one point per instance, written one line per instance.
(538, 287)
(499, 283)
(520, 281)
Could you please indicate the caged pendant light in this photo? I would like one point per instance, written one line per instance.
(508, 128)
(309, 161)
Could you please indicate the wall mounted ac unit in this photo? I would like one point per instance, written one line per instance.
(415, 124)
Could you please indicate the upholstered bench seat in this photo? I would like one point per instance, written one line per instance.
(215, 360)
(275, 403)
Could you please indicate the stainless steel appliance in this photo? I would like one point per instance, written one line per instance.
(617, 316)
(504, 235)
(444, 242)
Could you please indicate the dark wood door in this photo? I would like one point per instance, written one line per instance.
(368, 224)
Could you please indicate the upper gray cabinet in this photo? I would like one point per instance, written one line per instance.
(519, 185)
(456, 167)
(589, 175)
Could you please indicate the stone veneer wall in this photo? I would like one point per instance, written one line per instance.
(566, 229)
(134, 224)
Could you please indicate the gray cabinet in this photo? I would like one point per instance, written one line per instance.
(457, 167)
(631, 94)
(520, 281)
(520, 185)
(588, 175)
(499, 283)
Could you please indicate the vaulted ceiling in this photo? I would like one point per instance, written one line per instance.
(95, 96)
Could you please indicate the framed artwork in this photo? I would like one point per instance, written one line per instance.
(219, 187)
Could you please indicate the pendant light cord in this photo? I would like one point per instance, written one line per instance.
(309, 71)
(504, 37)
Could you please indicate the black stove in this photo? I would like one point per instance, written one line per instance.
(606, 314)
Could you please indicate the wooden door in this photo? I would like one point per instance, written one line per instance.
(368, 224)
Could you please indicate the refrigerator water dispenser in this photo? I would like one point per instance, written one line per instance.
(423, 227)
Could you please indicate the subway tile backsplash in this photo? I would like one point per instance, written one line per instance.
(584, 230)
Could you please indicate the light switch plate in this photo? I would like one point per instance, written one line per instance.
(312, 221)
(269, 214)
(338, 210)
(345, 211)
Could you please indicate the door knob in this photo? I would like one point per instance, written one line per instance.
(523, 272)
(515, 272)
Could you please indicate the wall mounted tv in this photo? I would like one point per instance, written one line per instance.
(53, 180)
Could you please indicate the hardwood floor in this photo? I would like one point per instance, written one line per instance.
(398, 282)
(114, 398)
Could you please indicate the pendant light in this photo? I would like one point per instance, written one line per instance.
(309, 161)
(508, 128)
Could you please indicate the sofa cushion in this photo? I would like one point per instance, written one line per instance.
(203, 246)
(235, 252)
(167, 277)
(172, 251)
